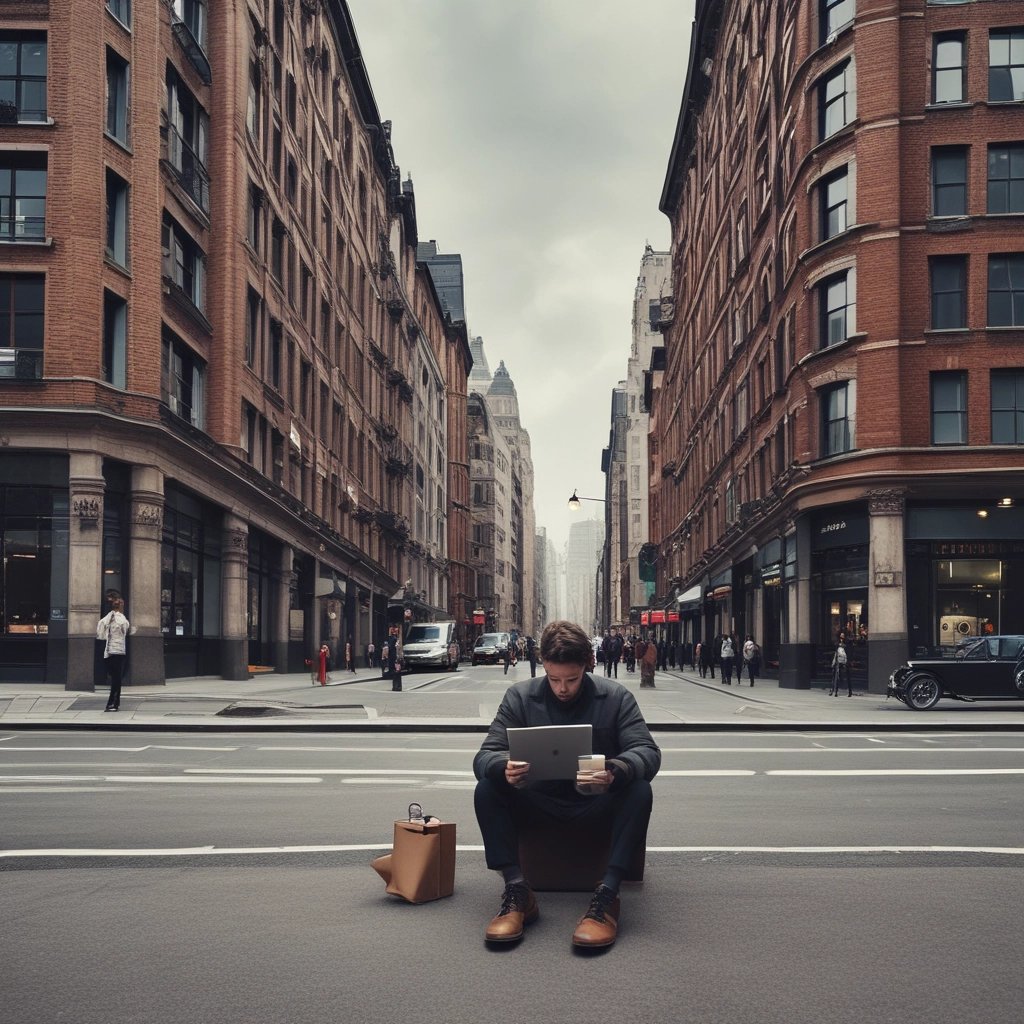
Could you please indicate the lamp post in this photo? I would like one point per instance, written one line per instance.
(574, 501)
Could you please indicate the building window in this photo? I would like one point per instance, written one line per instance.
(253, 326)
(22, 77)
(275, 343)
(836, 101)
(949, 181)
(117, 218)
(118, 97)
(1006, 178)
(22, 196)
(1006, 291)
(948, 276)
(21, 325)
(115, 339)
(839, 418)
(192, 13)
(183, 380)
(834, 198)
(255, 226)
(838, 305)
(1007, 401)
(187, 136)
(835, 14)
(949, 69)
(1006, 64)
(949, 408)
(277, 233)
(122, 10)
(186, 262)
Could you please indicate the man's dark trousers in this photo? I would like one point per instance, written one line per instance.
(501, 808)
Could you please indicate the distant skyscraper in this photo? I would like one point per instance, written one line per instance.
(446, 271)
(582, 555)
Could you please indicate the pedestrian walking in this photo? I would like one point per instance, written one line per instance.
(751, 660)
(629, 653)
(615, 654)
(841, 669)
(647, 653)
(371, 651)
(531, 654)
(113, 630)
(509, 657)
(727, 653)
(397, 655)
(350, 655)
(698, 656)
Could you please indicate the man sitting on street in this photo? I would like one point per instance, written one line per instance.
(505, 798)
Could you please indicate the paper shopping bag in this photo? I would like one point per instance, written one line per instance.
(421, 865)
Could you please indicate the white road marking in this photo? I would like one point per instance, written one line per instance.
(705, 772)
(896, 771)
(152, 778)
(384, 782)
(114, 750)
(5, 790)
(380, 750)
(326, 771)
(217, 851)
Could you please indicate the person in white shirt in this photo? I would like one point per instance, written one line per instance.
(113, 629)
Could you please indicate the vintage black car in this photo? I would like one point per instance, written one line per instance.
(982, 668)
(490, 649)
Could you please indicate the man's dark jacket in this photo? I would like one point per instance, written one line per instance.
(619, 729)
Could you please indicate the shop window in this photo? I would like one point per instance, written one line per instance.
(1006, 64)
(115, 340)
(948, 275)
(118, 97)
(184, 380)
(1006, 290)
(838, 418)
(27, 545)
(1007, 405)
(949, 408)
(22, 299)
(837, 302)
(949, 68)
(22, 196)
(23, 60)
(967, 599)
(949, 181)
(1006, 178)
(836, 101)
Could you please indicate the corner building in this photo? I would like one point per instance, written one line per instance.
(223, 374)
(836, 439)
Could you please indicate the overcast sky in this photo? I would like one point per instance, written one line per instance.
(537, 135)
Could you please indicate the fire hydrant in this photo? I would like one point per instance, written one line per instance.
(325, 652)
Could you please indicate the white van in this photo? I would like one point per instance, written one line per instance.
(429, 643)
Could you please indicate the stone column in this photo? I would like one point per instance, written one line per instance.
(85, 566)
(887, 598)
(285, 578)
(797, 654)
(234, 583)
(146, 646)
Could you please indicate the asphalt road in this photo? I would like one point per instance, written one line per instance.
(798, 877)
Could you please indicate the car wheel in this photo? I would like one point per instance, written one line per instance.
(922, 692)
(1018, 679)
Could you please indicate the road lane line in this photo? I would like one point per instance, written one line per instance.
(327, 771)
(893, 771)
(218, 851)
(230, 780)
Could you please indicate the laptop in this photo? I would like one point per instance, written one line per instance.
(552, 750)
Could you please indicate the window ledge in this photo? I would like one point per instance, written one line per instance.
(1009, 215)
(28, 243)
(958, 105)
(950, 333)
(47, 122)
(119, 143)
(121, 268)
(1004, 103)
(949, 225)
(1008, 329)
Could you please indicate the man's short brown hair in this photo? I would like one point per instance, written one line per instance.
(565, 643)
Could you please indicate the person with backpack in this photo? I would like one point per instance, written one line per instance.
(841, 669)
(728, 656)
(751, 660)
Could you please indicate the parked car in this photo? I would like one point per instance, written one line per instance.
(430, 644)
(982, 668)
(490, 648)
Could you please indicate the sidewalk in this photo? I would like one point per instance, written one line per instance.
(429, 702)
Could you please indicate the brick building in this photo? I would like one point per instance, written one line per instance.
(836, 438)
(226, 384)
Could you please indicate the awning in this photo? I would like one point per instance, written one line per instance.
(690, 599)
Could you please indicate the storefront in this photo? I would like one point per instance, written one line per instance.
(965, 574)
(768, 579)
(718, 605)
(839, 589)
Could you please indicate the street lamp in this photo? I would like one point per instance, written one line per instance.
(574, 501)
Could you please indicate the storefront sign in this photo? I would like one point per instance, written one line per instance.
(644, 617)
(839, 528)
(673, 616)
(478, 616)
(657, 617)
(721, 593)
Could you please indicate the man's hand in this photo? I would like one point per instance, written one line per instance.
(593, 783)
(516, 772)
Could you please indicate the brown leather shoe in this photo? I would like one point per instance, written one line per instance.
(600, 924)
(518, 909)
